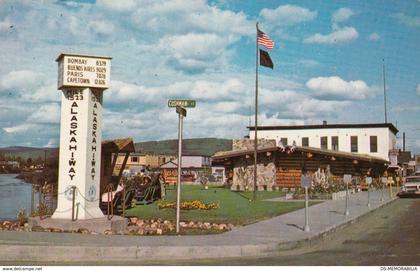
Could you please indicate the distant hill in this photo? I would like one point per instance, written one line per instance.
(192, 146)
(28, 152)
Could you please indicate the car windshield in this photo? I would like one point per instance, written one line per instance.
(412, 180)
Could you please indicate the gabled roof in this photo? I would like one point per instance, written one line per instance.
(390, 126)
(187, 162)
(118, 145)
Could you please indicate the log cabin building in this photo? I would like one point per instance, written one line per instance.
(282, 167)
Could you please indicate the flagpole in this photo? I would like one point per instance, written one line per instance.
(254, 194)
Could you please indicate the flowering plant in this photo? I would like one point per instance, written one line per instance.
(189, 205)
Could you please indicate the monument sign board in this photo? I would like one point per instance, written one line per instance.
(83, 79)
(83, 71)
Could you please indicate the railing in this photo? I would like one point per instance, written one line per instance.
(73, 194)
(47, 197)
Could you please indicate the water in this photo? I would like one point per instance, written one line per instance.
(14, 196)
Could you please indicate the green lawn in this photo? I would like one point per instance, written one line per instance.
(234, 207)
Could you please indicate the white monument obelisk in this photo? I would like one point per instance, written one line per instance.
(82, 79)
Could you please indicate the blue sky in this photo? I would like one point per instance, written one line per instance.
(328, 64)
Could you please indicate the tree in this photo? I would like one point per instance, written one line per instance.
(29, 162)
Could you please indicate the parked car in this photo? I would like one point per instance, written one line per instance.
(411, 187)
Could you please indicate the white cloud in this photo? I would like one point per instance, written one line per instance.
(418, 89)
(5, 25)
(120, 5)
(190, 16)
(297, 105)
(21, 128)
(405, 108)
(224, 104)
(228, 107)
(412, 21)
(308, 63)
(334, 87)
(339, 34)
(228, 89)
(341, 15)
(200, 89)
(48, 114)
(101, 27)
(19, 80)
(374, 36)
(287, 15)
(52, 142)
(342, 35)
(47, 92)
(196, 52)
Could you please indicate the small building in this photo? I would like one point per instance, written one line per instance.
(374, 139)
(139, 161)
(193, 168)
(10, 164)
(417, 162)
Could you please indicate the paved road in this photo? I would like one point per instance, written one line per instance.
(388, 236)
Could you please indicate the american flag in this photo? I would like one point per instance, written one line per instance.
(264, 40)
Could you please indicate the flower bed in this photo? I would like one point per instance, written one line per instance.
(189, 205)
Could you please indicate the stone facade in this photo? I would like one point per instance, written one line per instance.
(243, 175)
(248, 144)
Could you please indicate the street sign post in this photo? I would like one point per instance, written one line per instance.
(368, 182)
(178, 191)
(182, 103)
(182, 113)
(306, 182)
(347, 180)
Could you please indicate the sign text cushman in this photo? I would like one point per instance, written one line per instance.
(83, 71)
(181, 103)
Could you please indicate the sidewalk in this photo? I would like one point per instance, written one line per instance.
(259, 239)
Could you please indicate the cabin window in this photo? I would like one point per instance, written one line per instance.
(373, 144)
(324, 142)
(353, 144)
(305, 141)
(283, 141)
(334, 143)
(134, 159)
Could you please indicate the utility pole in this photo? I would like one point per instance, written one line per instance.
(383, 71)
(45, 159)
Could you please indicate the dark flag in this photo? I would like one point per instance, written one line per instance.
(265, 59)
